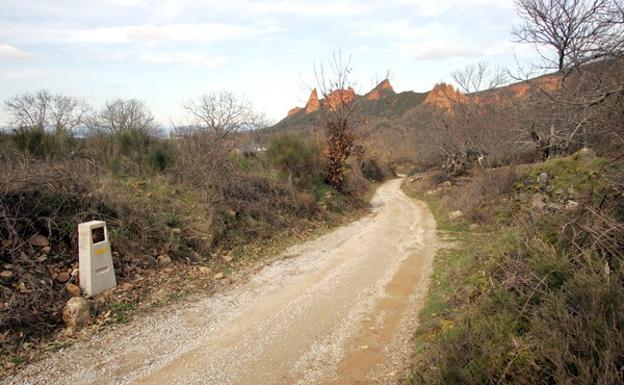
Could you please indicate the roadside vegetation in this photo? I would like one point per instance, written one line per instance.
(185, 209)
(530, 288)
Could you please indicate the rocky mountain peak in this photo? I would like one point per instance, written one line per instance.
(313, 102)
(382, 89)
(443, 95)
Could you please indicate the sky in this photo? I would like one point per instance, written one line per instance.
(166, 52)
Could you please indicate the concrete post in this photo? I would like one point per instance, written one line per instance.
(94, 256)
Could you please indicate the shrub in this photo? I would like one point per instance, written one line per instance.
(252, 207)
(372, 171)
(297, 159)
(159, 157)
(29, 141)
(548, 303)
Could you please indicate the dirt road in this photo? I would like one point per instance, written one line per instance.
(336, 310)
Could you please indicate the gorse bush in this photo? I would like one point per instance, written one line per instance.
(298, 159)
(160, 157)
(29, 141)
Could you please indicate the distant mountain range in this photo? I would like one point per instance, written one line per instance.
(385, 121)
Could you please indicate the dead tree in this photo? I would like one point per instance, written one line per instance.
(577, 30)
(338, 116)
(586, 106)
(222, 113)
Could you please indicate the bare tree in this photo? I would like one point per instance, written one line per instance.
(472, 129)
(43, 110)
(123, 115)
(337, 91)
(477, 77)
(222, 113)
(577, 30)
(586, 106)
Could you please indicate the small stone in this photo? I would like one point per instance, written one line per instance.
(455, 215)
(538, 201)
(219, 276)
(126, 286)
(72, 289)
(77, 312)
(6, 274)
(22, 288)
(63, 277)
(543, 178)
(164, 260)
(39, 241)
(571, 205)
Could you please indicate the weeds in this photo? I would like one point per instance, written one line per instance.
(543, 300)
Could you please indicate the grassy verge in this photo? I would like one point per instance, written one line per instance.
(535, 294)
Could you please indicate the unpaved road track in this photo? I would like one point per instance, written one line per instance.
(338, 310)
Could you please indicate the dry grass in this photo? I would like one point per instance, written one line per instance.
(542, 301)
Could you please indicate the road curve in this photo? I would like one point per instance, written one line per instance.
(339, 309)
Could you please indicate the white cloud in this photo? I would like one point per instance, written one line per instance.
(189, 58)
(8, 52)
(18, 74)
(199, 32)
(451, 49)
(433, 8)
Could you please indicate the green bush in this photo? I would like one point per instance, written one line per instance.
(29, 141)
(159, 157)
(372, 171)
(41, 144)
(296, 158)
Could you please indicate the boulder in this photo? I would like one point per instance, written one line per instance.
(538, 201)
(63, 277)
(164, 260)
(77, 312)
(6, 274)
(543, 178)
(74, 290)
(571, 205)
(39, 241)
(455, 215)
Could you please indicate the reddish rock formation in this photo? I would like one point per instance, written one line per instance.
(381, 90)
(313, 102)
(339, 97)
(443, 96)
(294, 111)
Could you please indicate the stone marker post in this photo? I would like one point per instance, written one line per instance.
(94, 256)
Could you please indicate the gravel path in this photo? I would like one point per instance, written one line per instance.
(336, 310)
